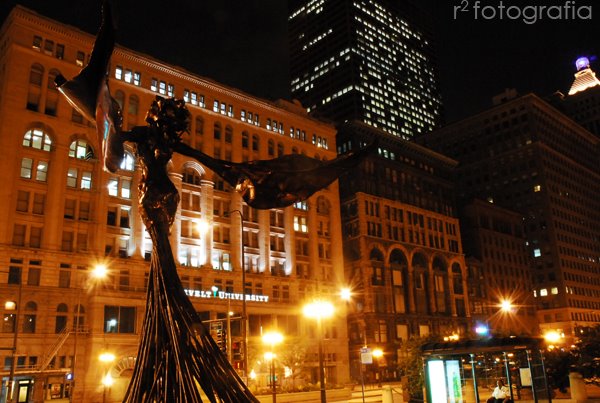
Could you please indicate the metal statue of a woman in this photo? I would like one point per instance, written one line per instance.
(176, 352)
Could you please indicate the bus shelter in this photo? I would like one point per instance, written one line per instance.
(466, 371)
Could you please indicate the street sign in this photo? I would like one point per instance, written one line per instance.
(366, 356)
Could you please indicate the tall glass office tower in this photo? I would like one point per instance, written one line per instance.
(367, 60)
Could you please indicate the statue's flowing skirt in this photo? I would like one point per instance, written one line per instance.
(177, 356)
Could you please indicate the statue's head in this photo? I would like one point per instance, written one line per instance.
(170, 116)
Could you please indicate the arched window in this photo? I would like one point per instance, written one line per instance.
(81, 150)
(217, 131)
(29, 318)
(128, 163)
(254, 142)
(61, 318)
(376, 255)
(245, 139)
(271, 148)
(51, 76)
(191, 176)
(37, 138)
(134, 103)
(199, 126)
(279, 149)
(120, 98)
(36, 74)
(228, 134)
(52, 94)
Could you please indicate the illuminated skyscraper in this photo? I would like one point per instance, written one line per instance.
(367, 60)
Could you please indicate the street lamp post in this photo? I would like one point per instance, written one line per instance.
(98, 272)
(107, 380)
(10, 392)
(273, 338)
(319, 310)
(244, 317)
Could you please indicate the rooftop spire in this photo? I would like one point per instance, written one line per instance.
(584, 78)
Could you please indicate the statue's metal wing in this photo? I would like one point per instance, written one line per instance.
(88, 93)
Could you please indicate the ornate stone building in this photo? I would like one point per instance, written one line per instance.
(63, 215)
(402, 246)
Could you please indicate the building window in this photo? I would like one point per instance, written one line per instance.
(537, 252)
(119, 73)
(29, 318)
(60, 51)
(537, 188)
(128, 163)
(72, 177)
(36, 138)
(80, 149)
(86, 180)
(80, 58)
(26, 168)
(300, 224)
(119, 319)
(41, 173)
(19, 235)
(61, 318)
(37, 43)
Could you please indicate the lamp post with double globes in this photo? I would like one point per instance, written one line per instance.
(107, 381)
(320, 310)
(271, 339)
(244, 316)
(98, 272)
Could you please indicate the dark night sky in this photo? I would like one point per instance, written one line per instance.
(244, 43)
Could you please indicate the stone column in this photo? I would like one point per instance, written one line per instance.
(411, 289)
(206, 209)
(431, 289)
(175, 236)
(55, 202)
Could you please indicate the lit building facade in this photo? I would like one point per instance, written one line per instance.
(403, 255)
(524, 155)
(64, 215)
(366, 60)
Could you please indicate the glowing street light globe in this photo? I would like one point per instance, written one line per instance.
(506, 305)
(318, 309)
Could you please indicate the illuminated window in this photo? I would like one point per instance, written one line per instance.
(81, 150)
(36, 138)
(543, 292)
(537, 188)
(162, 87)
(170, 90)
(128, 162)
(537, 252)
(119, 319)
(154, 85)
(554, 291)
(300, 224)
(80, 58)
(41, 173)
(113, 187)
(86, 180)
(119, 72)
(137, 78)
(128, 77)
(26, 168)
(72, 177)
